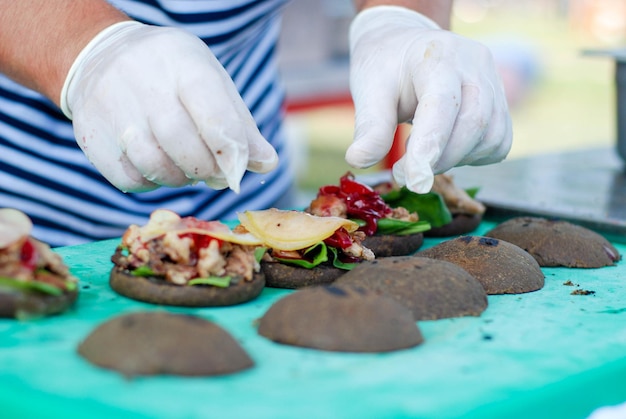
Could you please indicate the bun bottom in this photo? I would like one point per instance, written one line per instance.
(280, 275)
(157, 291)
(460, 224)
(21, 305)
(385, 245)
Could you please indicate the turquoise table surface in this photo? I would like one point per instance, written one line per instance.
(543, 354)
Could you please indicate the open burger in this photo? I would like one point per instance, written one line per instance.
(389, 231)
(34, 281)
(184, 261)
(304, 249)
(450, 210)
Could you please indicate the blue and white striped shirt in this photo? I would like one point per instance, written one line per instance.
(46, 175)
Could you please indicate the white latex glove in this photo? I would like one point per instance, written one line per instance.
(153, 107)
(609, 412)
(405, 68)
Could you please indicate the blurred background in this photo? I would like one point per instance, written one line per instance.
(561, 99)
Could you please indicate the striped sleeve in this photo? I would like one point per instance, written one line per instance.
(46, 175)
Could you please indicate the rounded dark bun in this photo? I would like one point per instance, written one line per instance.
(501, 267)
(157, 291)
(21, 305)
(161, 343)
(431, 289)
(345, 319)
(557, 242)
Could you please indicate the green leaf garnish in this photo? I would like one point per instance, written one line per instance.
(318, 253)
(429, 206)
(216, 281)
(259, 252)
(339, 264)
(472, 192)
(29, 286)
(400, 227)
(142, 271)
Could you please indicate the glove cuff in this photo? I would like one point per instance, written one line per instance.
(97, 44)
(377, 17)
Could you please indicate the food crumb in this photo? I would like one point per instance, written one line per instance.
(583, 292)
(568, 283)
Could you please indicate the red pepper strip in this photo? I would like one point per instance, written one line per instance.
(28, 255)
(350, 186)
(340, 239)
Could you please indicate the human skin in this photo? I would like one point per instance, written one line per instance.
(438, 10)
(40, 39)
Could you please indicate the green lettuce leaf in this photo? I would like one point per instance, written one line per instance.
(339, 264)
(259, 252)
(216, 281)
(142, 271)
(318, 253)
(472, 192)
(29, 286)
(429, 206)
(400, 227)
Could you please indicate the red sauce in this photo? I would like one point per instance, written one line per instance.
(362, 201)
(200, 241)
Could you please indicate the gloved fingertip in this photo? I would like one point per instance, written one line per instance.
(263, 164)
(234, 183)
(416, 179)
(233, 178)
(421, 185)
(131, 186)
(221, 183)
(262, 156)
(360, 157)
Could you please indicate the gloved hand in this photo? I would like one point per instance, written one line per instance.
(153, 107)
(405, 68)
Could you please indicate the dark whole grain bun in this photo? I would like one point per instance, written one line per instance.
(29, 305)
(158, 291)
(431, 289)
(557, 243)
(280, 275)
(501, 267)
(460, 224)
(160, 343)
(340, 318)
(384, 245)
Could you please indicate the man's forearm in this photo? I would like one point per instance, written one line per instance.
(437, 10)
(39, 39)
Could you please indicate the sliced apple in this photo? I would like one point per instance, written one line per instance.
(292, 230)
(164, 221)
(14, 225)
